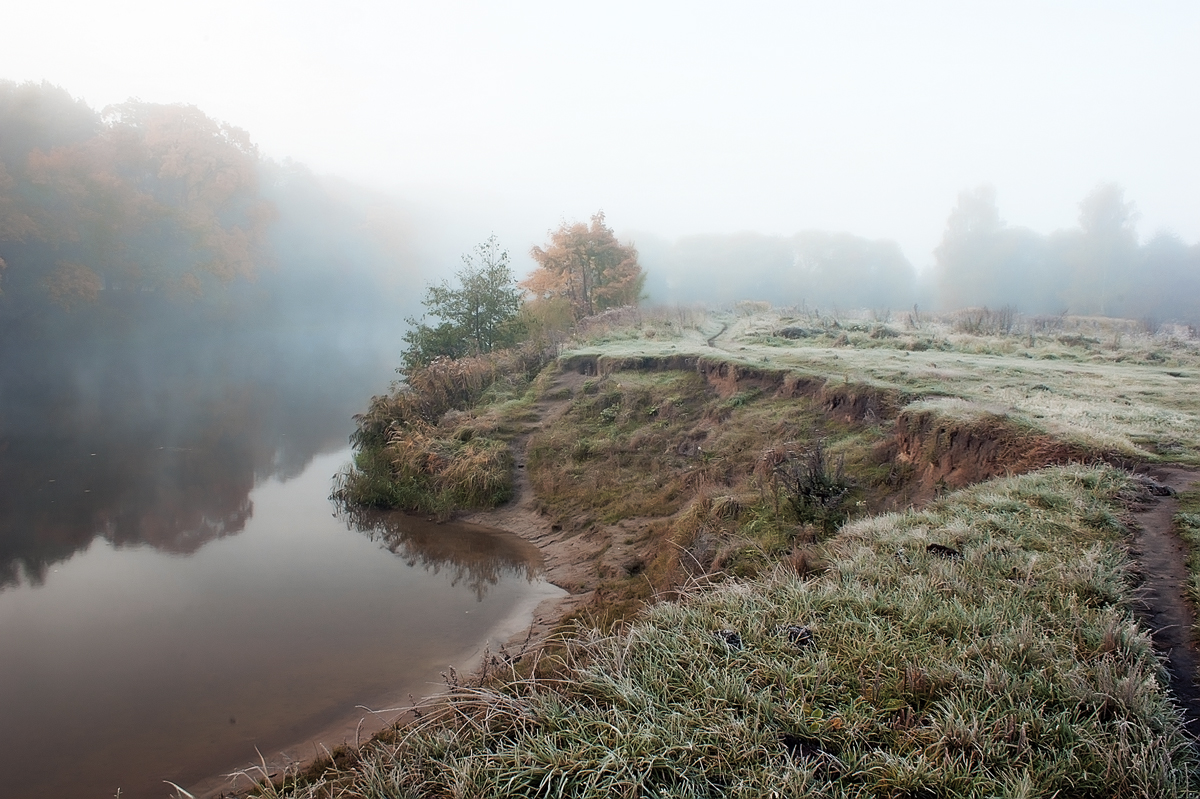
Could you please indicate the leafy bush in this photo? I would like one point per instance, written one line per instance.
(477, 316)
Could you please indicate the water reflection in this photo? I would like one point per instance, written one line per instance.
(475, 557)
(130, 667)
(161, 444)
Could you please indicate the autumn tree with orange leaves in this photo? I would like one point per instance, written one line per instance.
(139, 201)
(586, 266)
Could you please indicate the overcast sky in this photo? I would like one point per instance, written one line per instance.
(674, 118)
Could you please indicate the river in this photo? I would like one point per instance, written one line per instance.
(177, 592)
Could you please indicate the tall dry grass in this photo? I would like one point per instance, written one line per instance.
(410, 452)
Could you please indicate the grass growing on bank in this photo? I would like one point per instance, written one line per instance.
(440, 441)
(1187, 525)
(642, 444)
(614, 450)
(984, 646)
(698, 483)
(1103, 384)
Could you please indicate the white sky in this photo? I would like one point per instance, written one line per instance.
(674, 118)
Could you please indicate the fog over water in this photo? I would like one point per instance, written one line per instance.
(186, 332)
(675, 118)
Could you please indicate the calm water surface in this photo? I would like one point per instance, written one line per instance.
(177, 591)
(129, 666)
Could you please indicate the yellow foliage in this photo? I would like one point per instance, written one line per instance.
(588, 267)
(72, 285)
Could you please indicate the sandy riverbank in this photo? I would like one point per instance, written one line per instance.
(362, 722)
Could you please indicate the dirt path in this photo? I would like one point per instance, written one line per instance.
(570, 558)
(712, 340)
(1167, 613)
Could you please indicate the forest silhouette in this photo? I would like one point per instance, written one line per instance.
(1098, 268)
(179, 320)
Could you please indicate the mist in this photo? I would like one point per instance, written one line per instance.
(1099, 267)
(812, 268)
(216, 220)
(239, 280)
(776, 117)
(180, 320)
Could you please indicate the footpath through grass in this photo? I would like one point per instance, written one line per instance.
(1187, 525)
(984, 646)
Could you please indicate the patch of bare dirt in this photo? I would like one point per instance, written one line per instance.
(951, 453)
(1162, 557)
(573, 560)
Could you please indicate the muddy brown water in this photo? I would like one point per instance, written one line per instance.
(126, 665)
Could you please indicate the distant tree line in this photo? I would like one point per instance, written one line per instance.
(101, 209)
(158, 216)
(155, 219)
(1098, 268)
(815, 268)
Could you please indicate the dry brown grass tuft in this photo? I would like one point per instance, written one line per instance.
(806, 562)
(422, 447)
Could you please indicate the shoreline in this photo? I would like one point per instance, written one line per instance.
(357, 727)
(569, 572)
(576, 561)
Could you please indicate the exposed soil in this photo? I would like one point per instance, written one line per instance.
(953, 453)
(577, 562)
(571, 558)
(930, 452)
(1162, 558)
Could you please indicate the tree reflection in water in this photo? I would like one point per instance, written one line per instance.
(161, 445)
(474, 555)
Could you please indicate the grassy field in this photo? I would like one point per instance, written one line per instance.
(1101, 383)
(981, 644)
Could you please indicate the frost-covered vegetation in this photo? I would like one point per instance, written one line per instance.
(983, 646)
(1104, 383)
(985, 643)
